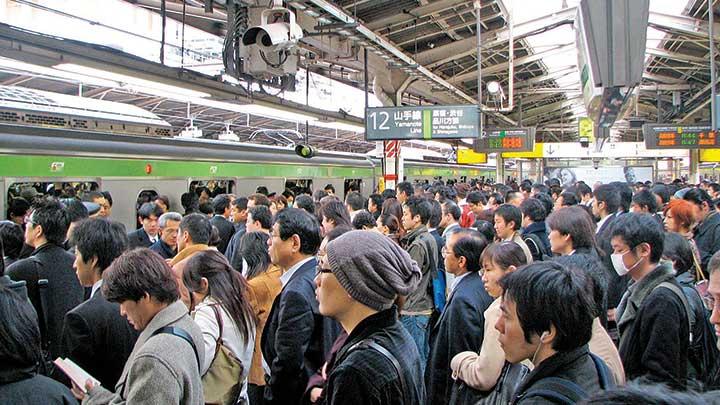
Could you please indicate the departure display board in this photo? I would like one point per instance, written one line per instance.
(668, 136)
(422, 122)
(506, 140)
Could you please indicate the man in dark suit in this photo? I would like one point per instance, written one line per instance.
(45, 230)
(296, 336)
(148, 214)
(95, 335)
(221, 207)
(707, 232)
(238, 213)
(461, 325)
(166, 246)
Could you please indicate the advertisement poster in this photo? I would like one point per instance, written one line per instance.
(569, 175)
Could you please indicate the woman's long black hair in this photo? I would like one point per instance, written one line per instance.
(254, 249)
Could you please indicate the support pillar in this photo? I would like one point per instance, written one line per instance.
(500, 169)
(693, 173)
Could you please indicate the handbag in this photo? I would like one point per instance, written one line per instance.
(501, 394)
(701, 283)
(222, 381)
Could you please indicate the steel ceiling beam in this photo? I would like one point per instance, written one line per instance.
(418, 12)
(682, 24)
(661, 53)
(458, 26)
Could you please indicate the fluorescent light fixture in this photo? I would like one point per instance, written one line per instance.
(298, 5)
(324, 20)
(344, 32)
(340, 125)
(311, 13)
(140, 85)
(50, 72)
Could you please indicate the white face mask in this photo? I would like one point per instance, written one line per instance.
(619, 264)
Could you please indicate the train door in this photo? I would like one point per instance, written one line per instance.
(29, 189)
(353, 185)
(299, 186)
(127, 192)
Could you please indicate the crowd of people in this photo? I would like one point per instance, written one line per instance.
(442, 293)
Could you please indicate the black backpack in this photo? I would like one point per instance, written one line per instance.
(536, 246)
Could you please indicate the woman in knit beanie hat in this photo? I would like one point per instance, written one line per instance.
(356, 285)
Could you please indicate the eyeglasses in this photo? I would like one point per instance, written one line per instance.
(320, 270)
(445, 252)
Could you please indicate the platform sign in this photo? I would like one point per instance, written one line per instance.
(506, 140)
(586, 128)
(668, 136)
(422, 122)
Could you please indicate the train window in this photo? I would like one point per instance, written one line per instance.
(353, 185)
(299, 186)
(207, 189)
(60, 189)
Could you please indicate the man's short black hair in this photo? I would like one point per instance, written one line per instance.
(419, 206)
(293, 221)
(698, 196)
(305, 202)
(470, 244)
(138, 272)
(12, 237)
(677, 249)
(376, 199)
(355, 200)
(388, 193)
(329, 187)
(220, 203)
(541, 188)
(240, 203)
(436, 212)
(625, 192)
(546, 293)
(499, 199)
(453, 209)
(364, 219)
(262, 190)
(608, 194)
(646, 199)
(569, 199)
(662, 191)
(91, 196)
(509, 212)
(54, 219)
(198, 226)
(263, 215)
(75, 208)
(635, 229)
(17, 207)
(476, 197)
(591, 266)
(534, 209)
(260, 199)
(583, 189)
(101, 238)
(404, 187)
(149, 209)
(108, 197)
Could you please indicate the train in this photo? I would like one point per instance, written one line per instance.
(129, 166)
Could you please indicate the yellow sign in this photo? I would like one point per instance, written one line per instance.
(537, 153)
(469, 156)
(709, 155)
(586, 128)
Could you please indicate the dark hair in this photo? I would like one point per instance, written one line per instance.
(293, 221)
(470, 244)
(254, 249)
(190, 202)
(12, 237)
(336, 232)
(198, 226)
(260, 199)
(598, 284)
(698, 196)
(661, 190)
(642, 391)
(533, 209)
(376, 199)
(19, 333)
(453, 209)
(206, 208)
(393, 207)
(485, 228)
(17, 207)
(226, 286)
(541, 188)
(148, 209)
(625, 192)
(165, 200)
(582, 189)
(305, 202)
(364, 219)
(419, 206)
(108, 197)
(404, 187)
(645, 198)
(609, 195)
(499, 199)
(391, 222)
(138, 272)
(50, 214)
(355, 200)
(263, 215)
(261, 190)
(388, 193)
(288, 193)
(714, 263)
(435, 213)
(476, 197)
(220, 203)
(577, 223)
(101, 238)
(569, 199)
(635, 229)
(677, 249)
(336, 212)
(201, 189)
(75, 208)
(546, 293)
(509, 213)
(319, 195)
(329, 187)
(505, 254)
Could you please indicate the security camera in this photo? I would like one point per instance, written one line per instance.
(274, 33)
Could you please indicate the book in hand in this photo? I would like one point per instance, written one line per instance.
(75, 373)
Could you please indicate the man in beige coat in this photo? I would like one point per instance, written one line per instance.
(195, 231)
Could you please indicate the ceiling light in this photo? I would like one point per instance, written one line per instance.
(324, 20)
(134, 83)
(312, 13)
(344, 32)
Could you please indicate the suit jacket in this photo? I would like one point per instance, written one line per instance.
(99, 339)
(138, 238)
(163, 249)
(225, 229)
(460, 328)
(64, 292)
(707, 239)
(232, 253)
(296, 338)
(263, 290)
(616, 284)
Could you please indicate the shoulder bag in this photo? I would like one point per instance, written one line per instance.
(510, 378)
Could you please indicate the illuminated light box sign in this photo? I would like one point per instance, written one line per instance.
(424, 122)
(506, 140)
(667, 136)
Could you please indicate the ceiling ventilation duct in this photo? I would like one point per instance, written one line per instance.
(611, 39)
(23, 106)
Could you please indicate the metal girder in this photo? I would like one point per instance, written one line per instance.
(458, 26)
(559, 105)
(662, 53)
(413, 14)
(460, 49)
(682, 24)
(489, 70)
(549, 76)
(662, 78)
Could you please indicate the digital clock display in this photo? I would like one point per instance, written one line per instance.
(659, 136)
(506, 140)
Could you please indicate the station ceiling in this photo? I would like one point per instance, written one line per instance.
(432, 46)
